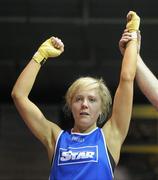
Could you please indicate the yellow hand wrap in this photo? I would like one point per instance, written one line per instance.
(133, 21)
(45, 51)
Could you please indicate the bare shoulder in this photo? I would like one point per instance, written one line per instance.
(52, 137)
(113, 141)
(56, 130)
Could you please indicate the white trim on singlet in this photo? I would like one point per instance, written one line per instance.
(83, 134)
(56, 147)
(55, 150)
(107, 153)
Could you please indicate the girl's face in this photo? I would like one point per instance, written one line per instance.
(86, 108)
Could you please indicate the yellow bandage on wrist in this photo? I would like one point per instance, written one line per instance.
(134, 35)
(45, 51)
(133, 22)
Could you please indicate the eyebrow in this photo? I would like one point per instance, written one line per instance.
(91, 96)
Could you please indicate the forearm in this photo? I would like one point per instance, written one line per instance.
(128, 69)
(26, 80)
(147, 82)
(123, 99)
(52, 47)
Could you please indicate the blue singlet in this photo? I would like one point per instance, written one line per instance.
(81, 157)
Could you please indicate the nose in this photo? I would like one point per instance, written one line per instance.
(84, 104)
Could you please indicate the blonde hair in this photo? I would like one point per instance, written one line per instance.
(91, 83)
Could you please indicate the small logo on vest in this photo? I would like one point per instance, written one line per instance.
(78, 155)
(77, 139)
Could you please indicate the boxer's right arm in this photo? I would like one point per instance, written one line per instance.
(31, 114)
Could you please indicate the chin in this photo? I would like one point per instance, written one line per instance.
(86, 123)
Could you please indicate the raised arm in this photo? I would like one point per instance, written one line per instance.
(147, 82)
(43, 129)
(116, 128)
(145, 79)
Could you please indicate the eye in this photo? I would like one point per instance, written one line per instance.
(78, 98)
(92, 99)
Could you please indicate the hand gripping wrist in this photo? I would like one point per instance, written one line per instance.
(45, 51)
(133, 22)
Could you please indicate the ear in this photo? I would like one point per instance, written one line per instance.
(101, 120)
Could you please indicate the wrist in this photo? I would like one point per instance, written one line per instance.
(38, 58)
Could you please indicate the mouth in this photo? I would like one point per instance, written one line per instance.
(84, 114)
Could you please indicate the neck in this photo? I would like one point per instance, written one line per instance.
(78, 129)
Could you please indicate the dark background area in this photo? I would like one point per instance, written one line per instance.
(90, 30)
